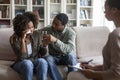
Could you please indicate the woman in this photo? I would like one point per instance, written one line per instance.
(110, 70)
(25, 43)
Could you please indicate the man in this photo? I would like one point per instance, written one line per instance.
(61, 45)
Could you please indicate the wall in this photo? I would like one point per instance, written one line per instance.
(99, 16)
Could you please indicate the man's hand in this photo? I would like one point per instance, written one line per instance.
(52, 39)
(47, 39)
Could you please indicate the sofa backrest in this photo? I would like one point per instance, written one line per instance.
(90, 40)
(6, 52)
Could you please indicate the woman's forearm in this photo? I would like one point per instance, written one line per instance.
(98, 68)
(97, 75)
(23, 47)
(92, 74)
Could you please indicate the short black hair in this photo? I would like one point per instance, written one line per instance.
(20, 23)
(62, 17)
(113, 3)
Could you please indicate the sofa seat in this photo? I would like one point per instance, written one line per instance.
(7, 73)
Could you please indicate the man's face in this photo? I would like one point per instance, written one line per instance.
(57, 25)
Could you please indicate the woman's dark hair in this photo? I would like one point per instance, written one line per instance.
(62, 17)
(113, 3)
(33, 17)
(20, 23)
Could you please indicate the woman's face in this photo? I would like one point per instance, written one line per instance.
(108, 13)
(30, 28)
(111, 13)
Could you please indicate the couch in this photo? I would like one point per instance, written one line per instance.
(89, 44)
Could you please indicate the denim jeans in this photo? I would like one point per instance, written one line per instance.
(68, 59)
(26, 67)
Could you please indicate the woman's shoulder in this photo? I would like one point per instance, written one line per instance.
(12, 38)
(116, 32)
(114, 35)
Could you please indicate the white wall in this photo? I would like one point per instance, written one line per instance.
(98, 13)
(109, 24)
(99, 16)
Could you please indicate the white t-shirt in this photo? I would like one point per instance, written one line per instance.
(29, 48)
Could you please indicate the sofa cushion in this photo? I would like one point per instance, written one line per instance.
(6, 52)
(90, 40)
(7, 73)
(6, 63)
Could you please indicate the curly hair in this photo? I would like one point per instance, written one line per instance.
(33, 17)
(20, 23)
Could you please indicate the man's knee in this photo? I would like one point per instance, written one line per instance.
(71, 56)
(49, 59)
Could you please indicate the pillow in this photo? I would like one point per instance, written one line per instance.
(6, 52)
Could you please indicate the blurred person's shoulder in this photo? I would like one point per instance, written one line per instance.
(115, 33)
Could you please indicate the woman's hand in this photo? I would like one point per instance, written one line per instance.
(95, 68)
(91, 74)
(24, 34)
(86, 66)
(88, 73)
(23, 45)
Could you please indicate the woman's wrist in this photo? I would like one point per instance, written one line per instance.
(23, 40)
